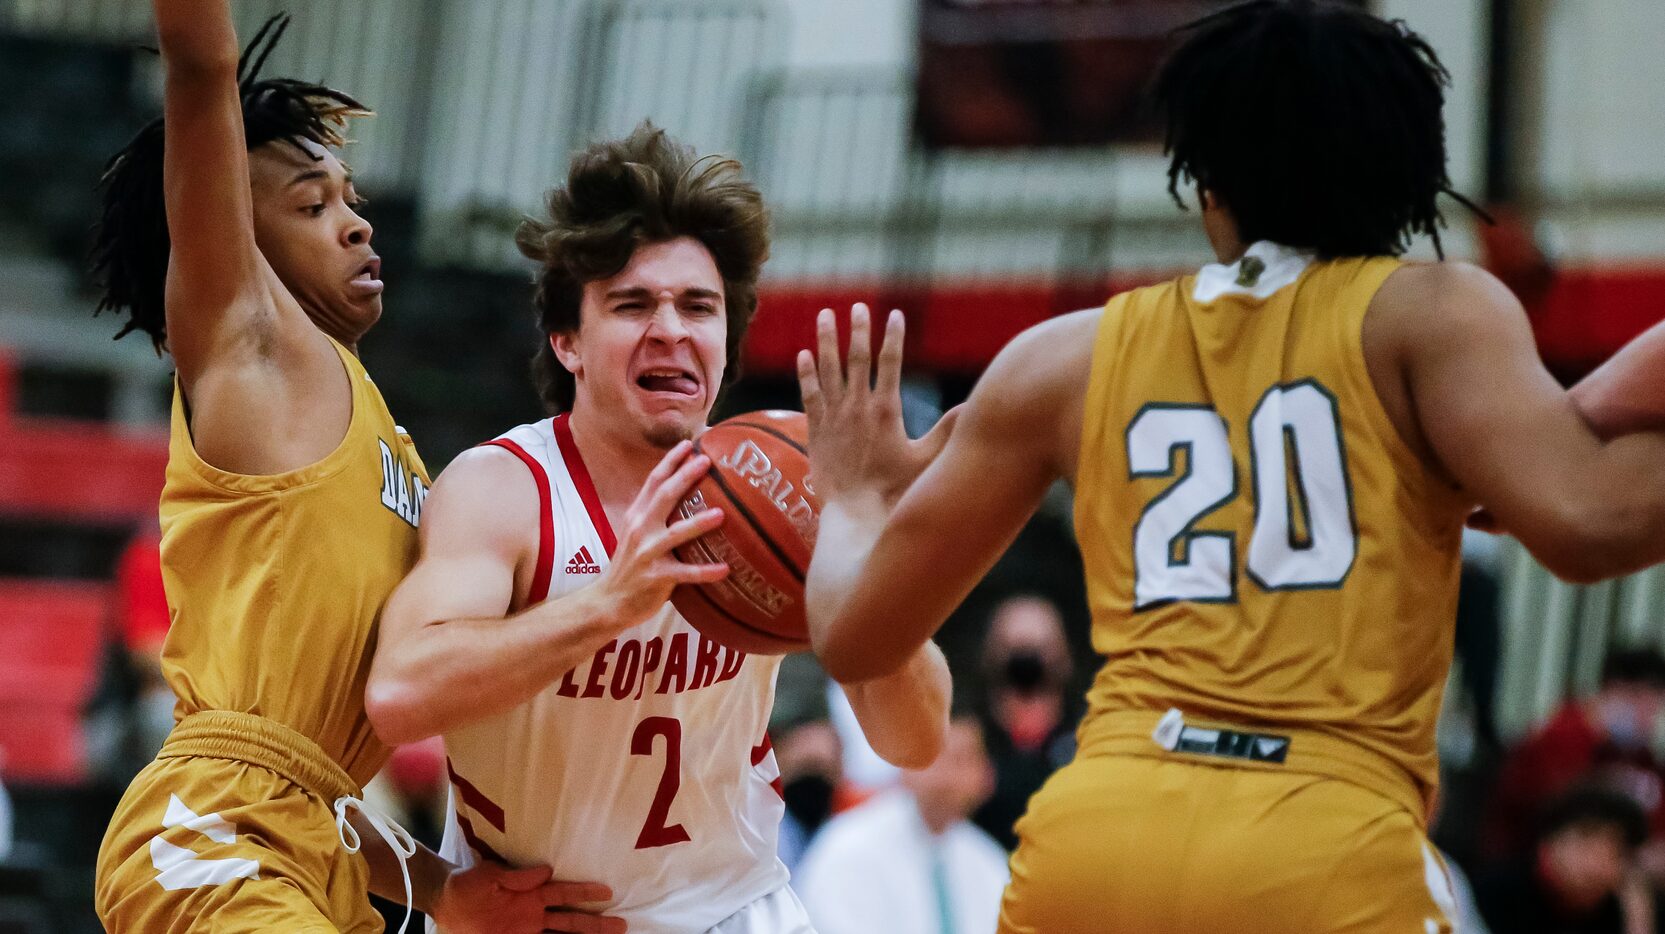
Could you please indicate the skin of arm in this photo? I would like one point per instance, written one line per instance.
(1497, 423)
(244, 349)
(1627, 393)
(451, 651)
(883, 580)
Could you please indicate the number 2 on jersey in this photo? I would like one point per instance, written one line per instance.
(1305, 535)
(655, 832)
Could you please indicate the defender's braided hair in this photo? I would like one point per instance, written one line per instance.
(130, 244)
(1317, 124)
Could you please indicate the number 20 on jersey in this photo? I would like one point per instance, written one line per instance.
(1305, 535)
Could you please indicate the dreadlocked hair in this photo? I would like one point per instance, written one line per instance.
(1318, 126)
(130, 241)
(626, 193)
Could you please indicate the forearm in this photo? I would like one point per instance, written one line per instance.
(1627, 393)
(1624, 509)
(849, 529)
(905, 714)
(428, 870)
(447, 674)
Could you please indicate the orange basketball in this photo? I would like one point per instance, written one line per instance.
(759, 469)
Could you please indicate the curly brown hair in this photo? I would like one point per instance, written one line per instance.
(625, 193)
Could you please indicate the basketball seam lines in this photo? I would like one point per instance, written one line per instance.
(697, 589)
(772, 431)
(790, 565)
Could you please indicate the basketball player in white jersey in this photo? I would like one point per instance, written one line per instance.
(588, 726)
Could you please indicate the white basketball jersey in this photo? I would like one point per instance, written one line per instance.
(647, 767)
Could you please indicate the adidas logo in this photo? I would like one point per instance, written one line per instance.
(582, 563)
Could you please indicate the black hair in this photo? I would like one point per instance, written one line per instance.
(1634, 666)
(130, 242)
(1595, 806)
(1317, 125)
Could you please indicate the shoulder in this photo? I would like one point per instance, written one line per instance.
(975, 841)
(485, 493)
(1044, 362)
(1445, 291)
(1441, 308)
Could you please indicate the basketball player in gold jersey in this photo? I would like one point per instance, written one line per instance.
(1272, 460)
(289, 513)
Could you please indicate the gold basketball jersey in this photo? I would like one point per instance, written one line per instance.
(276, 582)
(1261, 546)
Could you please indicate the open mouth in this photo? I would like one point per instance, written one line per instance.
(369, 272)
(673, 380)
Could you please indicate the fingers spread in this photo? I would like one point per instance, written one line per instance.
(889, 381)
(686, 530)
(826, 357)
(668, 464)
(672, 491)
(809, 385)
(858, 371)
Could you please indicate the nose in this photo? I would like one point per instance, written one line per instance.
(357, 231)
(667, 324)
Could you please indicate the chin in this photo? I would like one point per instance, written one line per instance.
(666, 434)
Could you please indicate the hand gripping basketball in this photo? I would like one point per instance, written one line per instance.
(644, 571)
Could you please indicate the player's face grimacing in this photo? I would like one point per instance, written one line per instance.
(651, 342)
(307, 226)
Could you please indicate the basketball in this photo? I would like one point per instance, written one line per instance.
(759, 468)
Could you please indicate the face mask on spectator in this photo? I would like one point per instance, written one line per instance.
(809, 798)
(1624, 727)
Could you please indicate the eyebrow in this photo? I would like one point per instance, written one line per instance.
(309, 175)
(639, 292)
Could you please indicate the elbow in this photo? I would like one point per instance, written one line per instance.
(1599, 548)
(393, 708)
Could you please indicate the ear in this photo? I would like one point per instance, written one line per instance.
(566, 351)
(1210, 201)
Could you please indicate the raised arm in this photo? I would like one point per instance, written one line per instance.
(1627, 393)
(885, 577)
(217, 282)
(1510, 436)
(451, 651)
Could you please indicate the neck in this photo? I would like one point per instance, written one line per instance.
(618, 464)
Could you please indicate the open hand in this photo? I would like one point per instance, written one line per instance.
(856, 439)
(491, 898)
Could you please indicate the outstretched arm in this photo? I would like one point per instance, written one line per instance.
(450, 651)
(245, 350)
(217, 288)
(884, 576)
(1627, 393)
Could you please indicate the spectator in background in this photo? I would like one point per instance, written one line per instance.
(811, 760)
(1029, 714)
(142, 606)
(1606, 739)
(908, 861)
(1580, 877)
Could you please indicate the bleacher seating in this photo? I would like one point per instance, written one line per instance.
(52, 631)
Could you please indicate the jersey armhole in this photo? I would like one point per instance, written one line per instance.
(539, 591)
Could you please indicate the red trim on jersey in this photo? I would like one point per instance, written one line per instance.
(479, 846)
(581, 480)
(759, 752)
(546, 521)
(474, 798)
